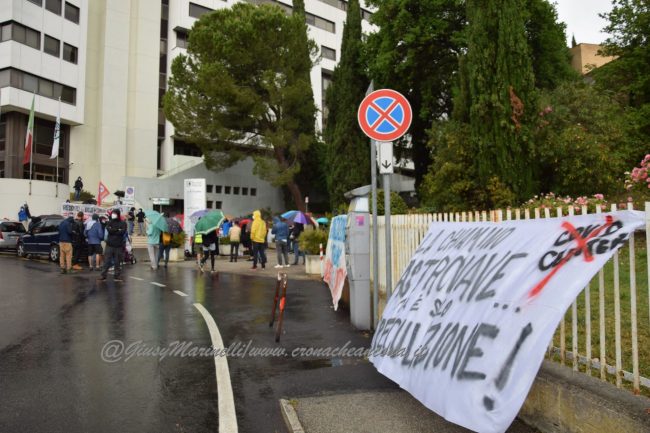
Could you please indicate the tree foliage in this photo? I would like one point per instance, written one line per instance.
(243, 91)
(629, 25)
(348, 150)
(415, 51)
(501, 84)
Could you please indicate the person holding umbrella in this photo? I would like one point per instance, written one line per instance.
(154, 231)
(207, 226)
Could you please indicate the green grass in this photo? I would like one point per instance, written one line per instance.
(643, 320)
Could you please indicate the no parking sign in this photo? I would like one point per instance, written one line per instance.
(385, 115)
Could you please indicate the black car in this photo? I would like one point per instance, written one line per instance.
(42, 238)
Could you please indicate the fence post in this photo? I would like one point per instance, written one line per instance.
(633, 319)
(617, 317)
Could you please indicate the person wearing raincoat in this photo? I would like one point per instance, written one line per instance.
(258, 238)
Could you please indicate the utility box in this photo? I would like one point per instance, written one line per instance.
(357, 250)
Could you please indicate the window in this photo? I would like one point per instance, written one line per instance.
(319, 22)
(181, 39)
(163, 46)
(52, 46)
(244, 191)
(209, 206)
(71, 13)
(326, 81)
(3, 132)
(2, 169)
(30, 83)
(5, 79)
(45, 88)
(53, 6)
(20, 33)
(162, 64)
(217, 204)
(235, 190)
(188, 149)
(162, 81)
(69, 53)
(197, 10)
(226, 190)
(164, 31)
(328, 53)
(217, 189)
(208, 188)
(69, 95)
(253, 191)
(37, 2)
(43, 133)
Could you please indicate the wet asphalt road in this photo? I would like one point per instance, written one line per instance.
(53, 328)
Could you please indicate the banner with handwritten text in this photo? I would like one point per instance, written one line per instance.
(468, 324)
(335, 269)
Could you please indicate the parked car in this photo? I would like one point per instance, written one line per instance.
(10, 232)
(42, 238)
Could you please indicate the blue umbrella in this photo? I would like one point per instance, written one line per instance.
(288, 215)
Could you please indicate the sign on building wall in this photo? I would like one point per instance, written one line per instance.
(129, 195)
(468, 324)
(335, 269)
(194, 196)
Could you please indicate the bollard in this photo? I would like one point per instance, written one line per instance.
(281, 284)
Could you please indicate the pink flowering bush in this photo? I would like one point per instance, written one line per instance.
(552, 202)
(637, 182)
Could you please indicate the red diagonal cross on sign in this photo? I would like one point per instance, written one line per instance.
(581, 246)
(385, 115)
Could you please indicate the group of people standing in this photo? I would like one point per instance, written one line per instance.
(75, 235)
(286, 238)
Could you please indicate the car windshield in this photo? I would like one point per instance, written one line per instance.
(12, 227)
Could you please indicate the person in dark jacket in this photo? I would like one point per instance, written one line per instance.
(295, 234)
(210, 248)
(115, 243)
(131, 220)
(78, 186)
(78, 241)
(65, 244)
(140, 217)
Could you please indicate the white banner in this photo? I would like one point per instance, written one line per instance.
(71, 209)
(335, 268)
(468, 324)
(194, 200)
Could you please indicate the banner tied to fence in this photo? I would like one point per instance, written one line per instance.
(468, 324)
(335, 271)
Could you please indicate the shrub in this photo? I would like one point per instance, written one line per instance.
(397, 204)
(85, 196)
(552, 202)
(637, 183)
(310, 240)
(224, 240)
(178, 240)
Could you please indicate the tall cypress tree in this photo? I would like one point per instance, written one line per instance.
(311, 177)
(348, 158)
(501, 85)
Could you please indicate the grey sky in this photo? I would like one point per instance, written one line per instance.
(582, 20)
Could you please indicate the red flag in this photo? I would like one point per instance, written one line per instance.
(29, 138)
(103, 193)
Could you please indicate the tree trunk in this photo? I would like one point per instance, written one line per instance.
(293, 187)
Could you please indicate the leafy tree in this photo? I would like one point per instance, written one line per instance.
(629, 25)
(501, 84)
(415, 51)
(312, 176)
(551, 59)
(243, 91)
(583, 141)
(348, 159)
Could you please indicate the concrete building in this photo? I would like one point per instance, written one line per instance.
(109, 61)
(585, 57)
(42, 57)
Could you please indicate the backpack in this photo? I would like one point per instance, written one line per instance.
(166, 238)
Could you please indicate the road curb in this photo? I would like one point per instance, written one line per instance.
(290, 417)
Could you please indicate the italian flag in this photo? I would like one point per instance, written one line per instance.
(29, 138)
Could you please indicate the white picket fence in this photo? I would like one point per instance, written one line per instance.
(621, 364)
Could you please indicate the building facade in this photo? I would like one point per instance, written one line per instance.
(109, 61)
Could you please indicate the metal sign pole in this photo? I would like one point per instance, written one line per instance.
(389, 270)
(375, 235)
